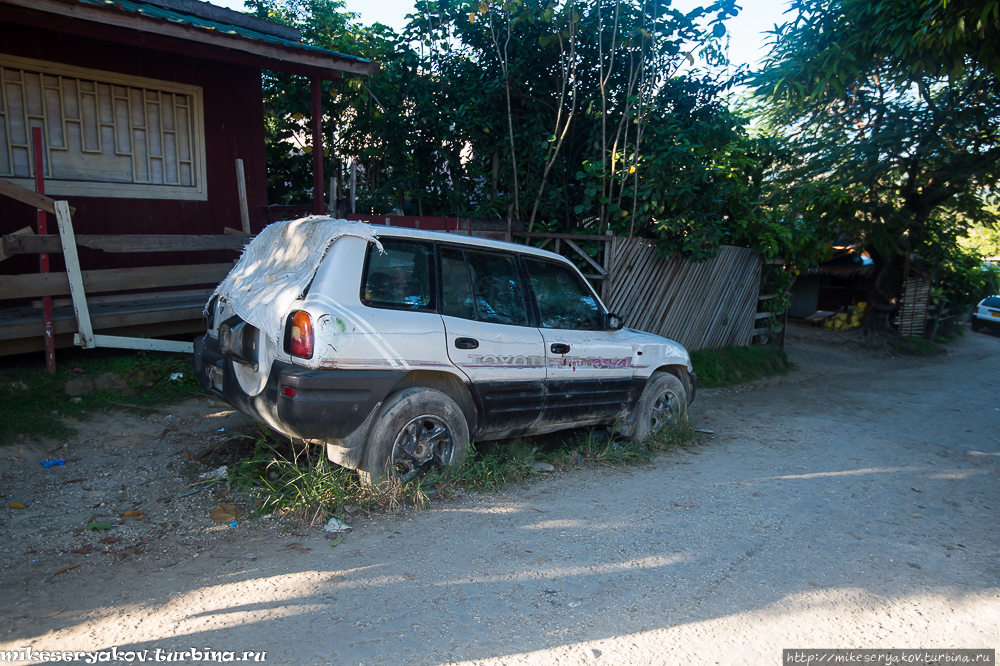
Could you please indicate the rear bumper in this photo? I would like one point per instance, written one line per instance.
(986, 322)
(318, 404)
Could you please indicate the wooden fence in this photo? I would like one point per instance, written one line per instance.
(711, 304)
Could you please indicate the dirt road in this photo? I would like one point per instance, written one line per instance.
(851, 504)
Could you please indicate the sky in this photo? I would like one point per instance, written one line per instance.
(747, 41)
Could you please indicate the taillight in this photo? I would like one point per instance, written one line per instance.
(300, 337)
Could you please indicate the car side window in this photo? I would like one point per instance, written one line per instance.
(563, 300)
(496, 289)
(400, 277)
(456, 291)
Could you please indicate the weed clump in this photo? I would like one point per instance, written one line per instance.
(302, 485)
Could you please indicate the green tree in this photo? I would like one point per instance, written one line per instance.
(889, 112)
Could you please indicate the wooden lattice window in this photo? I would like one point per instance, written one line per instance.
(104, 134)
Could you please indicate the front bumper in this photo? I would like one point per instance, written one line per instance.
(321, 404)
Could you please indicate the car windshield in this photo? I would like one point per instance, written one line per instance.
(991, 302)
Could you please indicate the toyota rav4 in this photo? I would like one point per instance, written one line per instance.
(394, 348)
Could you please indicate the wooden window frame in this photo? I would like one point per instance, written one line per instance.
(116, 189)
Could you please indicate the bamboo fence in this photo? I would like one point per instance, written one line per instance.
(712, 304)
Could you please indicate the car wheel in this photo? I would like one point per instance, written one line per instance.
(663, 401)
(417, 429)
(976, 325)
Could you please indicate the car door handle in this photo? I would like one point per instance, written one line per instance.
(559, 348)
(466, 343)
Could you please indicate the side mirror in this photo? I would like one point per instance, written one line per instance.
(613, 322)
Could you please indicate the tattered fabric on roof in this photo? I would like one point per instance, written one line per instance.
(278, 265)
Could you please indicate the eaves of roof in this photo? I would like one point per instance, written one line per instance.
(283, 54)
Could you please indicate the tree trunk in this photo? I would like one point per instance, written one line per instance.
(883, 297)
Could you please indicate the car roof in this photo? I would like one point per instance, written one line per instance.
(462, 239)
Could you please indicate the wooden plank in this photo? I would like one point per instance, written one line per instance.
(586, 257)
(122, 298)
(137, 314)
(233, 232)
(77, 293)
(147, 344)
(241, 188)
(26, 231)
(15, 244)
(576, 237)
(30, 197)
(115, 279)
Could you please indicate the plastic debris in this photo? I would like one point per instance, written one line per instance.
(234, 524)
(221, 430)
(177, 375)
(53, 463)
(335, 539)
(542, 467)
(337, 526)
(15, 505)
(99, 525)
(215, 474)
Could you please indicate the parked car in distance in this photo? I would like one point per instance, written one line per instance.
(987, 314)
(395, 351)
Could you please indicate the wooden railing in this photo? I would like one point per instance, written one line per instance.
(152, 303)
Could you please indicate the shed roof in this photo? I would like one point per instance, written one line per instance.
(228, 35)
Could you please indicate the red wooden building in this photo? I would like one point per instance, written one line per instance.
(144, 106)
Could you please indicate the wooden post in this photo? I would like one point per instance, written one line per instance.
(43, 259)
(332, 208)
(241, 187)
(317, 145)
(606, 284)
(354, 183)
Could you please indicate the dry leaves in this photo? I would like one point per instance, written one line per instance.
(66, 568)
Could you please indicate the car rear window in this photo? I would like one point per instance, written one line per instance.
(400, 277)
(992, 302)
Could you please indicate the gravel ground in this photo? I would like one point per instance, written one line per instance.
(849, 504)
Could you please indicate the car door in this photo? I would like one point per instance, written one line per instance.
(588, 368)
(490, 337)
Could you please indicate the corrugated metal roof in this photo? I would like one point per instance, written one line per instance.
(154, 12)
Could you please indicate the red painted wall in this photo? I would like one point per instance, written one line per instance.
(234, 128)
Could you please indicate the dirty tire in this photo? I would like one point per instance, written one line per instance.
(663, 401)
(416, 429)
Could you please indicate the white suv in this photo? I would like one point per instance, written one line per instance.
(394, 351)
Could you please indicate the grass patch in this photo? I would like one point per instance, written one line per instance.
(916, 346)
(303, 486)
(34, 403)
(734, 365)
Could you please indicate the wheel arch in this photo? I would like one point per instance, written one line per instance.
(687, 378)
(447, 383)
